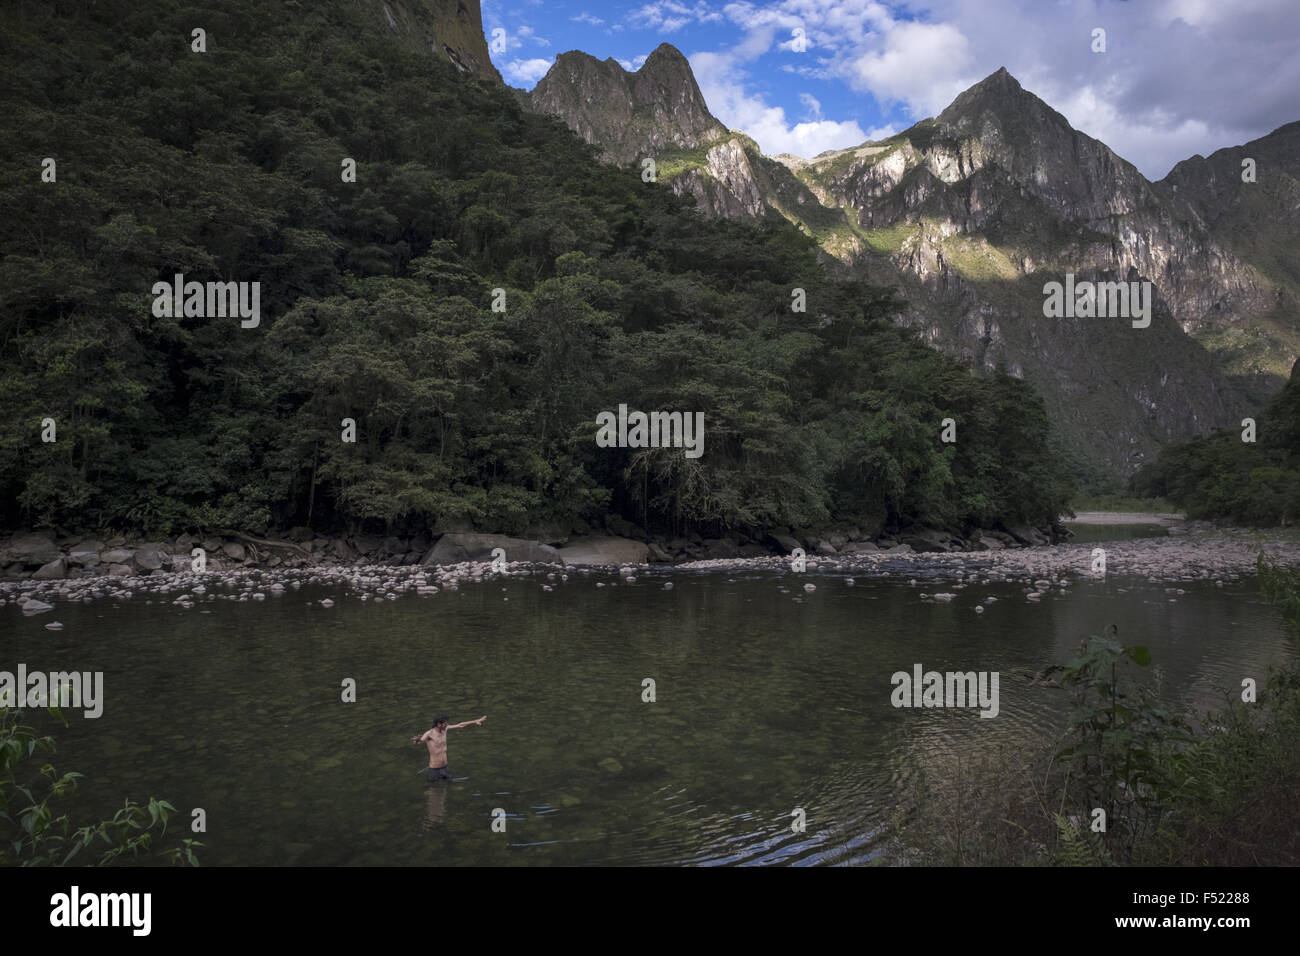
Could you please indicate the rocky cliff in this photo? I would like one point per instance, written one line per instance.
(1257, 223)
(452, 29)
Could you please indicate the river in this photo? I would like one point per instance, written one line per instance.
(767, 697)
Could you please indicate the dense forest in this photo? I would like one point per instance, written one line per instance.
(376, 305)
(1249, 475)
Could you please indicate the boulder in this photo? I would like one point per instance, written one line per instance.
(32, 550)
(233, 550)
(823, 546)
(658, 553)
(119, 570)
(300, 534)
(394, 545)
(367, 544)
(32, 606)
(116, 556)
(784, 541)
(116, 541)
(860, 547)
(926, 539)
(55, 570)
(150, 559)
(341, 549)
(602, 549)
(457, 547)
(990, 544)
(1026, 535)
(89, 544)
(211, 544)
(838, 541)
(87, 559)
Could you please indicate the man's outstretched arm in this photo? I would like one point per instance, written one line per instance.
(467, 723)
(421, 738)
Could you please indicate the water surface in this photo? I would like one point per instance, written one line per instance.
(768, 698)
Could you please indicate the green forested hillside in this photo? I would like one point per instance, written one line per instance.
(1224, 476)
(376, 305)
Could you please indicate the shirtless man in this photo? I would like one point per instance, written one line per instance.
(436, 740)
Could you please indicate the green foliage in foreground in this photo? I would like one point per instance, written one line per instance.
(1218, 791)
(376, 306)
(34, 831)
(1221, 476)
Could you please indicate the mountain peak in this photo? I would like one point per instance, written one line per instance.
(997, 91)
(658, 107)
(1001, 77)
(666, 53)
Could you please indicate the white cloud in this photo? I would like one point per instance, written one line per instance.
(670, 16)
(585, 17)
(525, 32)
(633, 64)
(812, 104)
(525, 72)
(721, 75)
(924, 65)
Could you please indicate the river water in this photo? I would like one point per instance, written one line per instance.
(768, 698)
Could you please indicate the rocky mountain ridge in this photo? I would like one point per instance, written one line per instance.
(972, 212)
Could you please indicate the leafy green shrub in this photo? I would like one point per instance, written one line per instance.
(33, 832)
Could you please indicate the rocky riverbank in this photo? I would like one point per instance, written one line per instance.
(1204, 555)
(43, 557)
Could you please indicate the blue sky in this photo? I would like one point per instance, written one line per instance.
(1177, 77)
